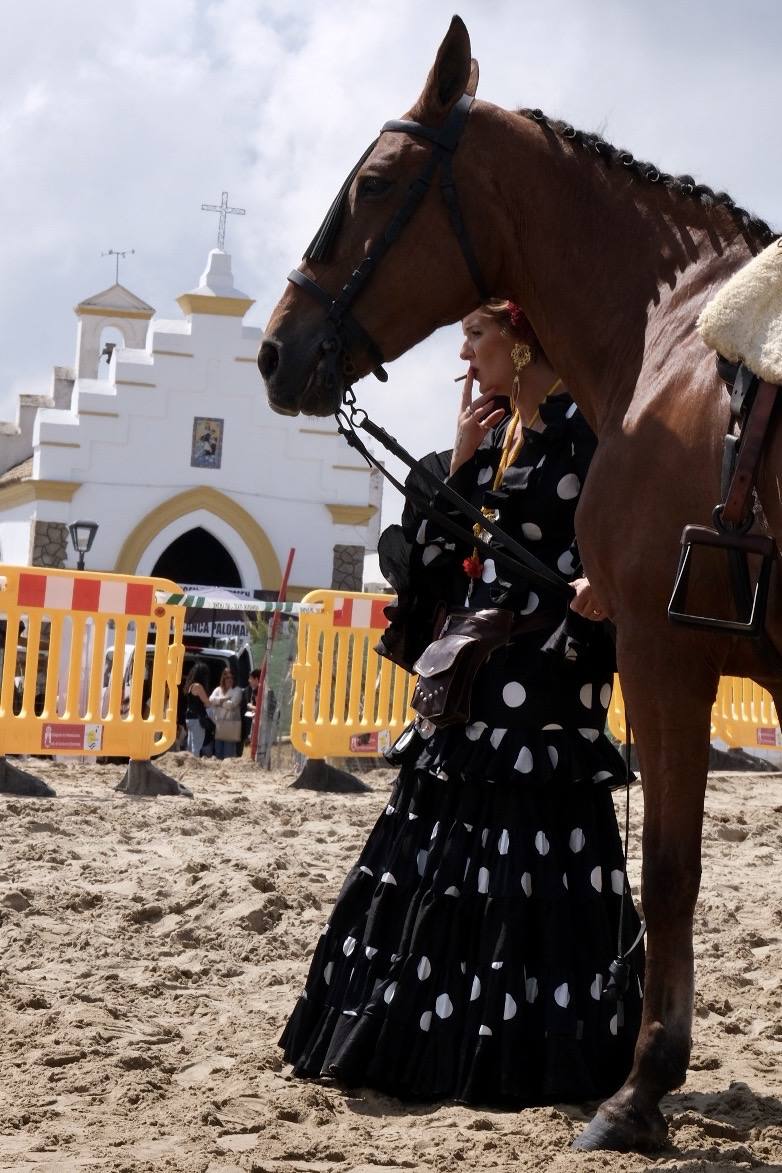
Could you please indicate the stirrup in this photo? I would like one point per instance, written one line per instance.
(732, 541)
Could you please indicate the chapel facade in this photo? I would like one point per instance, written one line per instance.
(178, 458)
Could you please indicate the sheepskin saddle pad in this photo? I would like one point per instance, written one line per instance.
(744, 321)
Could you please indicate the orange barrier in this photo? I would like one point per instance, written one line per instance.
(91, 663)
(348, 701)
(743, 716)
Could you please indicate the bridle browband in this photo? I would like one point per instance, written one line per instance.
(342, 327)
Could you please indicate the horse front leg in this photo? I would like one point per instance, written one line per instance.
(670, 719)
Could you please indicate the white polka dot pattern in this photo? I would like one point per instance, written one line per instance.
(514, 694)
(524, 762)
(569, 487)
(562, 995)
(474, 731)
(531, 531)
(489, 572)
(443, 1007)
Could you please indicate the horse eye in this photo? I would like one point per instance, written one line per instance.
(370, 186)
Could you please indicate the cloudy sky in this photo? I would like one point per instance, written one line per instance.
(119, 117)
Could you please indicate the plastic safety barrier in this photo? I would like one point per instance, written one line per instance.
(743, 716)
(91, 663)
(348, 701)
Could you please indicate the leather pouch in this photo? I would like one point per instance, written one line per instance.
(447, 667)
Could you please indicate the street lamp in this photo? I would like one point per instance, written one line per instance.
(82, 536)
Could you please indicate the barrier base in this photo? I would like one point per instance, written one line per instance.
(318, 775)
(20, 783)
(143, 780)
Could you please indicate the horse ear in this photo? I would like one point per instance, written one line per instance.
(451, 74)
(472, 84)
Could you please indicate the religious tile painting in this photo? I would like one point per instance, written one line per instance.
(207, 448)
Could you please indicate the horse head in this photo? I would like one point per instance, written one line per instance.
(403, 284)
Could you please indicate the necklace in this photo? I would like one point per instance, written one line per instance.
(511, 447)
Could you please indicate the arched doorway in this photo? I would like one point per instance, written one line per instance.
(197, 557)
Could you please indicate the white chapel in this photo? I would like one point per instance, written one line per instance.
(176, 455)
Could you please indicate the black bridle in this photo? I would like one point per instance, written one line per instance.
(427, 491)
(342, 327)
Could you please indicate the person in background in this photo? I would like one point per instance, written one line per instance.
(196, 701)
(249, 700)
(226, 705)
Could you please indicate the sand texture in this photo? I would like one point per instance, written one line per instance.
(152, 949)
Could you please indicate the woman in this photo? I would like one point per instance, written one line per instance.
(226, 704)
(467, 954)
(196, 701)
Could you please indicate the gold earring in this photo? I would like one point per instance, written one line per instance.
(520, 356)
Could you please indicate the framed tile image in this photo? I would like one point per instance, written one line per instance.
(207, 446)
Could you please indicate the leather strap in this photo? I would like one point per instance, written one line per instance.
(737, 507)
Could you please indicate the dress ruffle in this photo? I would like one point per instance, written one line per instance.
(481, 754)
(466, 955)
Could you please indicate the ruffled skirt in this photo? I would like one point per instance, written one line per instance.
(468, 951)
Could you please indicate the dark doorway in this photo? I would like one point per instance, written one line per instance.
(197, 557)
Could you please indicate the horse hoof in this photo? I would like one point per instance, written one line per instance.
(633, 1133)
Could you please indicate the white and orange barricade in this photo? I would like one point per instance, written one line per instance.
(348, 701)
(91, 663)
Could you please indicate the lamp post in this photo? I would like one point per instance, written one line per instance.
(82, 536)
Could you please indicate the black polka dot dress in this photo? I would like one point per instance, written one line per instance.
(468, 952)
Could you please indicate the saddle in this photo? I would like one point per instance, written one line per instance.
(743, 324)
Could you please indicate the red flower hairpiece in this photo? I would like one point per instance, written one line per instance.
(516, 314)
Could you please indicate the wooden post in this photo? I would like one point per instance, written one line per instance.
(275, 623)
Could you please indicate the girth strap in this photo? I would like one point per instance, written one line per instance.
(736, 511)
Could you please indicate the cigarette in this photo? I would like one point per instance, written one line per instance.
(460, 378)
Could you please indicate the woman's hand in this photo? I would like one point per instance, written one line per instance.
(476, 417)
(585, 602)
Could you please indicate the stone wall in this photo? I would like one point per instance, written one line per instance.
(50, 544)
(347, 572)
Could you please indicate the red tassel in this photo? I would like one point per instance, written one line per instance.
(472, 566)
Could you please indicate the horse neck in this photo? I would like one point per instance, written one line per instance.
(599, 260)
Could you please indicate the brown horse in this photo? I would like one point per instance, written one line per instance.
(612, 262)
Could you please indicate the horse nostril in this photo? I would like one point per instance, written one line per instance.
(268, 359)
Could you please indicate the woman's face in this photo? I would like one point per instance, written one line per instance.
(487, 350)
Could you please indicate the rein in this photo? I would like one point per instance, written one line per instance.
(342, 327)
(504, 549)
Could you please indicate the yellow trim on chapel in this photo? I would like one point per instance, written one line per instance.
(211, 500)
(107, 312)
(351, 514)
(22, 492)
(228, 307)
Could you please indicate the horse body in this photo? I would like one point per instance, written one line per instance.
(612, 273)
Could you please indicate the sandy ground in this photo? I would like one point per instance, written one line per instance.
(152, 948)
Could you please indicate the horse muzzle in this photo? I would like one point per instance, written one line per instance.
(299, 379)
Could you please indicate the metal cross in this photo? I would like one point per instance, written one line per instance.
(113, 252)
(224, 211)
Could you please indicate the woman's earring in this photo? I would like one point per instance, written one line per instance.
(521, 357)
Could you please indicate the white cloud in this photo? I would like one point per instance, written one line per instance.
(118, 120)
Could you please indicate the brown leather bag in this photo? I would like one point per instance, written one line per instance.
(447, 668)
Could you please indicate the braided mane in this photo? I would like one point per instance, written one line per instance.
(683, 185)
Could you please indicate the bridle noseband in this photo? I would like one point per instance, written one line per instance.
(342, 327)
